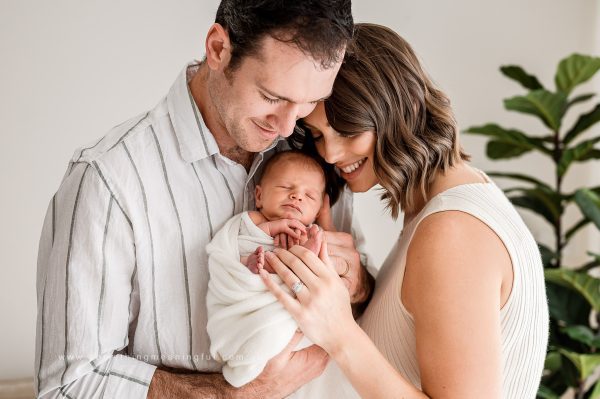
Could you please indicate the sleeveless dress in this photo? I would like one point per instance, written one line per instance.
(524, 317)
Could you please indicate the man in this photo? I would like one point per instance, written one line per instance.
(122, 268)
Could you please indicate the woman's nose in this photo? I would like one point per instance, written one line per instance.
(333, 150)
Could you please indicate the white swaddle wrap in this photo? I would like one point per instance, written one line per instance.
(247, 326)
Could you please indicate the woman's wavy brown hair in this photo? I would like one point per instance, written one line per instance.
(382, 87)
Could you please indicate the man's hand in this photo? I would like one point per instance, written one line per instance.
(287, 372)
(283, 375)
(345, 257)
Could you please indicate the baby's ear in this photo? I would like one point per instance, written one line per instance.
(258, 196)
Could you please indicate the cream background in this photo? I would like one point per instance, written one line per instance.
(70, 70)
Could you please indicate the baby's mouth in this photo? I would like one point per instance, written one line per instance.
(297, 208)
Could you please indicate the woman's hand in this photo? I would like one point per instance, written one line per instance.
(322, 305)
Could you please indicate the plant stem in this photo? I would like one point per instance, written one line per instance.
(558, 223)
(580, 391)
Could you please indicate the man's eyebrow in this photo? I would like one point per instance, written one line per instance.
(272, 94)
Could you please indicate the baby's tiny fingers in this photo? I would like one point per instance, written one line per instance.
(297, 224)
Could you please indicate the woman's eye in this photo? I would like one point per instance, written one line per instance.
(317, 138)
(269, 99)
(349, 135)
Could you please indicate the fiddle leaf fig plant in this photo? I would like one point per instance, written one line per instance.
(573, 357)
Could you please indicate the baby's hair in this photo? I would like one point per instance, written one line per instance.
(306, 161)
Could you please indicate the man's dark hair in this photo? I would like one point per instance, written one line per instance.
(319, 28)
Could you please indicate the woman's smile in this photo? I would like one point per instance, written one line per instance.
(351, 171)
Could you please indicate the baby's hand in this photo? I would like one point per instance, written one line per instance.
(287, 232)
(292, 227)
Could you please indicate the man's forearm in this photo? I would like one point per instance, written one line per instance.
(167, 384)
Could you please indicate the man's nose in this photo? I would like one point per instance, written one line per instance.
(287, 119)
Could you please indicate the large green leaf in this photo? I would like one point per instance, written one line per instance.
(589, 203)
(595, 256)
(549, 107)
(566, 304)
(579, 153)
(496, 149)
(586, 364)
(595, 394)
(545, 202)
(517, 73)
(534, 205)
(595, 262)
(584, 122)
(571, 196)
(579, 99)
(576, 227)
(583, 334)
(546, 393)
(508, 142)
(520, 177)
(553, 361)
(548, 255)
(593, 154)
(575, 70)
(581, 282)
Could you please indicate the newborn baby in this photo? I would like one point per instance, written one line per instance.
(246, 324)
(288, 199)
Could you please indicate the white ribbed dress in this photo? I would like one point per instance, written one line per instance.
(524, 317)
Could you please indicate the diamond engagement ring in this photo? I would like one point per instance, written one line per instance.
(297, 287)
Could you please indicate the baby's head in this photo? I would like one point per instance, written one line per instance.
(292, 186)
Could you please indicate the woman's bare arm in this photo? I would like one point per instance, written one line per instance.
(455, 272)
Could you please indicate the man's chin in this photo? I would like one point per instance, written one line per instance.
(259, 147)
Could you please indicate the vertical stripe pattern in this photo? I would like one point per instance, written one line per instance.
(183, 256)
(67, 267)
(103, 282)
(151, 242)
(127, 271)
(205, 199)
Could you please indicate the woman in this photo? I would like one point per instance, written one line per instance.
(459, 309)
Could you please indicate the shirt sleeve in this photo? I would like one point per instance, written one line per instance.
(87, 294)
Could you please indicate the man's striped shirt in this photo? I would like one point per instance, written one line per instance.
(122, 266)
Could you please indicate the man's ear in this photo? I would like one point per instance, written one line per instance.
(258, 196)
(218, 48)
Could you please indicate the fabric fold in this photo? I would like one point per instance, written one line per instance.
(247, 326)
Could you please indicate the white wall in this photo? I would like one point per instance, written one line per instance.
(70, 70)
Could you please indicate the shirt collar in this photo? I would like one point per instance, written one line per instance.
(195, 140)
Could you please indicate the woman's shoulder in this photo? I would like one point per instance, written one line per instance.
(452, 232)
(449, 251)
